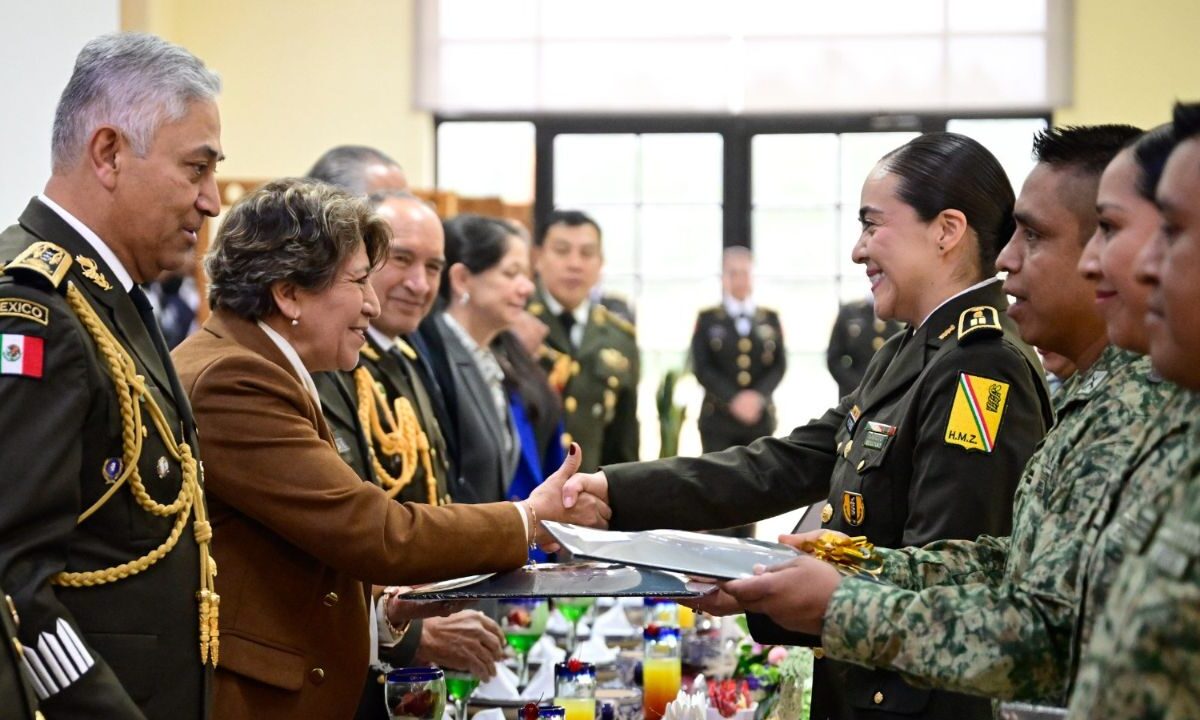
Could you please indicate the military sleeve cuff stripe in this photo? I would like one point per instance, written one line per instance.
(59, 659)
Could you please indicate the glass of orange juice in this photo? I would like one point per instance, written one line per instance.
(661, 669)
(575, 689)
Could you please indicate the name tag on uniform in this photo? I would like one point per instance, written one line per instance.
(878, 435)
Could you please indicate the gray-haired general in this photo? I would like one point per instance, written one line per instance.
(103, 529)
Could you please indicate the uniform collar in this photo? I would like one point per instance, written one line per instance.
(99, 246)
(740, 308)
(580, 313)
(947, 301)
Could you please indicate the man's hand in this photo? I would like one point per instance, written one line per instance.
(805, 541)
(794, 594)
(718, 602)
(550, 501)
(467, 640)
(579, 484)
(747, 407)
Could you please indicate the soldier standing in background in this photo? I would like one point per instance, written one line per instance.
(856, 335)
(591, 353)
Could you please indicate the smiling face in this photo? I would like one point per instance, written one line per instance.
(160, 200)
(1053, 304)
(333, 322)
(408, 282)
(1127, 222)
(1172, 265)
(898, 250)
(499, 294)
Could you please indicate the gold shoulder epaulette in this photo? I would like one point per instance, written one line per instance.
(43, 259)
(979, 322)
(405, 348)
(618, 322)
(369, 353)
(545, 351)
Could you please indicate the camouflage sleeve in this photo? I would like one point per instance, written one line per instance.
(946, 562)
(1144, 657)
(968, 638)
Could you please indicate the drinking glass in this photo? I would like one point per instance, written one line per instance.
(575, 689)
(523, 621)
(459, 686)
(416, 693)
(661, 669)
(573, 609)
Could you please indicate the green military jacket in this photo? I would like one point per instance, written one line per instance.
(396, 377)
(598, 383)
(726, 363)
(902, 460)
(996, 616)
(132, 646)
(856, 336)
(1143, 656)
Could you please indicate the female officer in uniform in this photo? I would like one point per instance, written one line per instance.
(932, 442)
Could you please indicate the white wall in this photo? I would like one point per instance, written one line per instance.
(39, 40)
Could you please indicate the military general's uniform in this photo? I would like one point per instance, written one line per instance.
(727, 362)
(930, 446)
(130, 647)
(1143, 657)
(598, 381)
(997, 616)
(857, 335)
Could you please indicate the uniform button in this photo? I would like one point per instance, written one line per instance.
(316, 675)
(743, 361)
(826, 513)
(574, 368)
(861, 465)
(880, 325)
(570, 404)
(744, 345)
(847, 361)
(597, 410)
(743, 378)
(846, 449)
(877, 343)
(330, 599)
(818, 653)
(878, 698)
(613, 382)
(567, 440)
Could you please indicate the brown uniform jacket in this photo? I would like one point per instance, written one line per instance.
(297, 533)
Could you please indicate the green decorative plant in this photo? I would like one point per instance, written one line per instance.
(670, 415)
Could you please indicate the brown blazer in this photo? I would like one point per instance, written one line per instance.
(297, 534)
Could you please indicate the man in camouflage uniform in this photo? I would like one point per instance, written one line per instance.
(591, 354)
(998, 616)
(1143, 660)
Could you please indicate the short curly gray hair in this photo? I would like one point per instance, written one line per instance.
(292, 230)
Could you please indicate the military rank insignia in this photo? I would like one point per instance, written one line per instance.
(21, 355)
(91, 271)
(976, 413)
(854, 509)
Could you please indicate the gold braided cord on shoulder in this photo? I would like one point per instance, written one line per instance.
(403, 436)
(132, 391)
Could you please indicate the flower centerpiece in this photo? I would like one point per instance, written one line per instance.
(777, 679)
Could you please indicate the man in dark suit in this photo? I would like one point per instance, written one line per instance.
(857, 335)
(592, 354)
(103, 529)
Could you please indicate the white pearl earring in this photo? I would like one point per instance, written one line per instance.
(466, 298)
(295, 321)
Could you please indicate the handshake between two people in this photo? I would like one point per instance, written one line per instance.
(569, 496)
(794, 594)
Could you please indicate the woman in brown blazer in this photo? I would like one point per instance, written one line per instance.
(298, 537)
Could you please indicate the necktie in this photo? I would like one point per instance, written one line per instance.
(567, 318)
(146, 313)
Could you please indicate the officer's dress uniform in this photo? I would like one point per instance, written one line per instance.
(857, 335)
(931, 445)
(19, 700)
(598, 379)
(731, 354)
(129, 647)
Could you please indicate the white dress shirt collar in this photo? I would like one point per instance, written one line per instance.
(293, 357)
(102, 249)
(580, 313)
(737, 308)
(380, 339)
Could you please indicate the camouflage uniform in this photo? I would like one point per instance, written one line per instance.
(1143, 660)
(996, 616)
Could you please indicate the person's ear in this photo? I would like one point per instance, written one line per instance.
(459, 277)
(287, 299)
(950, 228)
(106, 150)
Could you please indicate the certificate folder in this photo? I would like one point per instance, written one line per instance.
(690, 553)
(586, 579)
